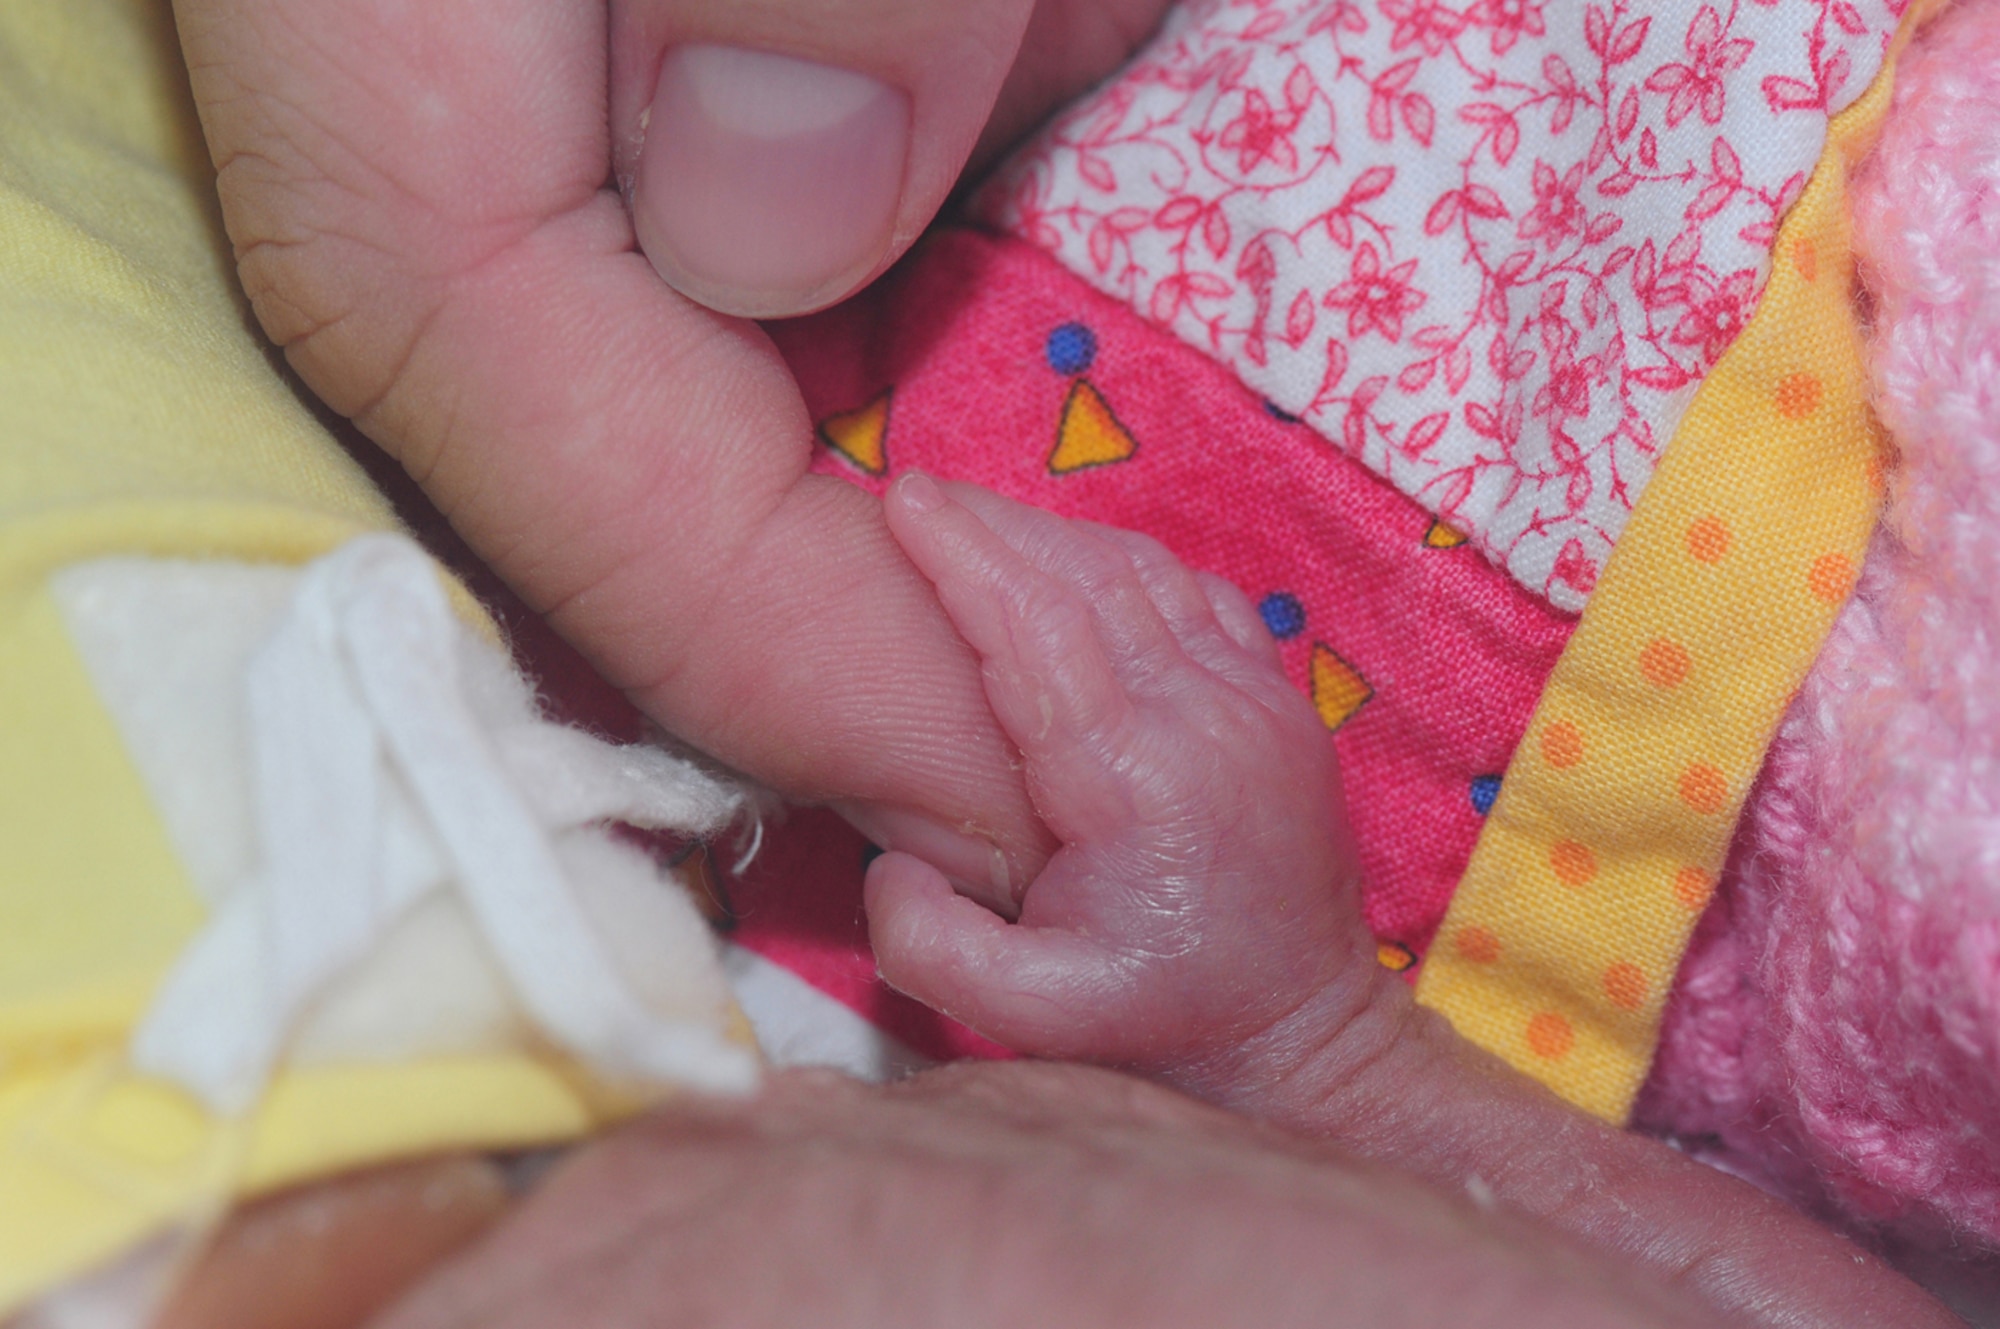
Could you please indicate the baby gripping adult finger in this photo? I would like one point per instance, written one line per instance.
(1200, 893)
(1048, 673)
(1042, 990)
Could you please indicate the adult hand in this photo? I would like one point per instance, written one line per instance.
(1028, 1193)
(423, 206)
(1006, 1194)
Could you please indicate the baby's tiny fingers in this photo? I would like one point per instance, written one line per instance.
(1193, 605)
(1048, 675)
(1239, 618)
(1143, 645)
(1043, 991)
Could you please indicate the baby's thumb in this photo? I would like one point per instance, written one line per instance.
(779, 154)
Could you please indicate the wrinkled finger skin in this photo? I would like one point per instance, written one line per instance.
(1202, 892)
(1007, 1196)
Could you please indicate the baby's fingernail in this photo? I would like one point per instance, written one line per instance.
(768, 185)
(976, 867)
(919, 493)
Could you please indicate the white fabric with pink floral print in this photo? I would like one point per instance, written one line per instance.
(1489, 250)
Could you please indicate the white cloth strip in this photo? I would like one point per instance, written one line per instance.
(376, 783)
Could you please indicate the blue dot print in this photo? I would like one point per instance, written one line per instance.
(1283, 614)
(1071, 348)
(1485, 788)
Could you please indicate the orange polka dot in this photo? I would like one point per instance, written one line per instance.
(1573, 863)
(1708, 540)
(1703, 788)
(1562, 745)
(1625, 984)
(1692, 887)
(1877, 471)
(1805, 258)
(1476, 945)
(1549, 1035)
(1798, 396)
(1665, 663)
(1831, 578)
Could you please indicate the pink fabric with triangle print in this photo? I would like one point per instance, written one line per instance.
(982, 359)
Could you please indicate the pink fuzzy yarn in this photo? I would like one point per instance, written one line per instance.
(1835, 1030)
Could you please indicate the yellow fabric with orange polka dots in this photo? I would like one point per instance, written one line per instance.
(1617, 809)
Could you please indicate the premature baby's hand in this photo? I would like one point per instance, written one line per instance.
(1205, 892)
(1199, 921)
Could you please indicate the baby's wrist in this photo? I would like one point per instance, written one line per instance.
(1330, 1042)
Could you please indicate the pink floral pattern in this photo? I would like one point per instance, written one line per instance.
(1489, 250)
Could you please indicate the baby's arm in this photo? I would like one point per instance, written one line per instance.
(1200, 921)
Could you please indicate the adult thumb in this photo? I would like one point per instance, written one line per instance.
(778, 154)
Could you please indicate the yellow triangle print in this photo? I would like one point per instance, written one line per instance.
(861, 435)
(1395, 956)
(1090, 434)
(1337, 688)
(1441, 536)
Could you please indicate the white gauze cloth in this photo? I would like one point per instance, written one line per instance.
(397, 767)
